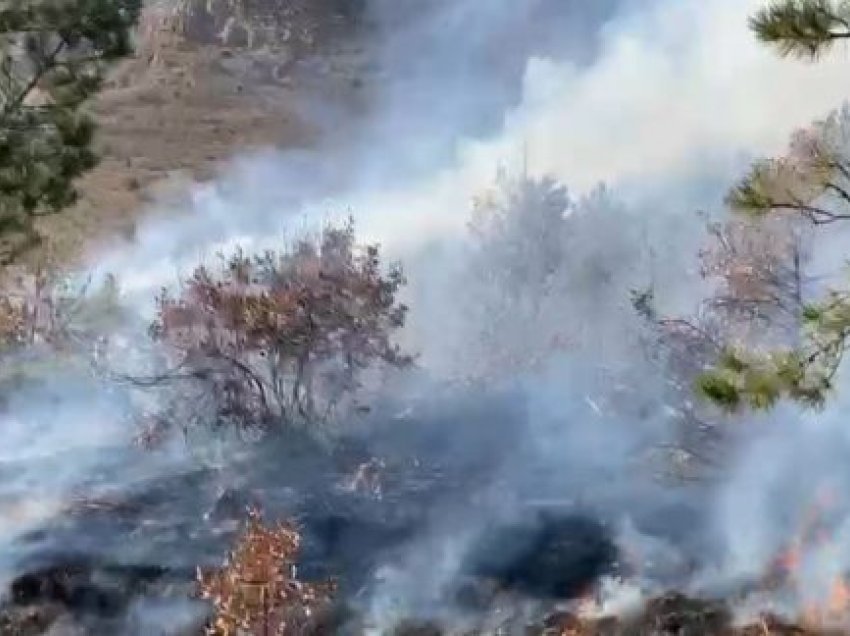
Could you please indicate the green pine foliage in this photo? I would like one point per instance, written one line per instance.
(759, 382)
(53, 55)
(804, 374)
(803, 28)
(811, 181)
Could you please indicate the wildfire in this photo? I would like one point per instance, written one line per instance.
(789, 561)
(814, 535)
(839, 597)
(588, 605)
(835, 610)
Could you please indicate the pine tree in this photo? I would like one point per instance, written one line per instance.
(811, 181)
(53, 55)
(804, 28)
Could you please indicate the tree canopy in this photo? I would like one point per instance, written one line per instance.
(811, 182)
(544, 269)
(53, 55)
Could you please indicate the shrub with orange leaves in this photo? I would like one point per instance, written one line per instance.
(283, 338)
(256, 592)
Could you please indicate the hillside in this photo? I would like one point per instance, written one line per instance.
(209, 80)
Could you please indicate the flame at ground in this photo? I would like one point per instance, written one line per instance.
(839, 598)
(802, 579)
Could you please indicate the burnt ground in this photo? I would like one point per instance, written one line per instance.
(125, 564)
(675, 615)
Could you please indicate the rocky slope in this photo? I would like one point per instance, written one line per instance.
(210, 79)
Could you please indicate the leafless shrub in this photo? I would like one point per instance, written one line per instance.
(757, 275)
(759, 268)
(757, 271)
(547, 271)
(41, 305)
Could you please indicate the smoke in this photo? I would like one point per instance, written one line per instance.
(638, 110)
(665, 102)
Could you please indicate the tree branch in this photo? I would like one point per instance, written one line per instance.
(48, 64)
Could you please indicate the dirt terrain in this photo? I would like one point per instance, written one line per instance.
(202, 87)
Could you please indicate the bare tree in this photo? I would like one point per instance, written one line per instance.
(545, 270)
(757, 273)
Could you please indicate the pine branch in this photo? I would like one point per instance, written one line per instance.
(803, 28)
(59, 50)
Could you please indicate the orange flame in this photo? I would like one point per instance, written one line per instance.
(813, 531)
(839, 597)
(835, 609)
(789, 561)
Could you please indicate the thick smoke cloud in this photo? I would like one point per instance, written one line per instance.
(655, 108)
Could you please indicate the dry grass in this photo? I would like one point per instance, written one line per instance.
(256, 592)
(175, 113)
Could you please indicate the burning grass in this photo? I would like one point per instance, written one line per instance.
(668, 615)
(815, 541)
